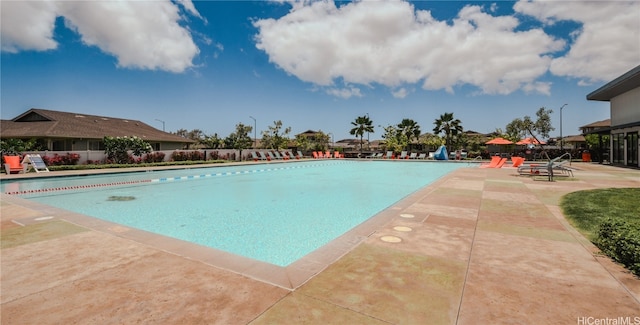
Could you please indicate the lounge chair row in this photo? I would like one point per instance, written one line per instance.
(327, 154)
(275, 155)
(499, 162)
(403, 155)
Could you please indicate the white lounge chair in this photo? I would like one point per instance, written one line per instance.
(34, 162)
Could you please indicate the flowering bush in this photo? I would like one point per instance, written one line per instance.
(184, 156)
(153, 157)
(58, 160)
(117, 148)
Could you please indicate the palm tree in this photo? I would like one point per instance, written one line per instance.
(362, 125)
(410, 129)
(450, 126)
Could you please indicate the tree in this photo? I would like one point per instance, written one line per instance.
(117, 148)
(213, 141)
(409, 129)
(542, 126)
(182, 133)
(432, 141)
(13, 147)
(240, 139)
(394, 140)
(450, 126)
(196, 134)
(319, 141)
(274, 138)
(362, 125)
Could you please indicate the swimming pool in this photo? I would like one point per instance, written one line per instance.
(275, 213)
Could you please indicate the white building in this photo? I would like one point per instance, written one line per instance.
(623, 94)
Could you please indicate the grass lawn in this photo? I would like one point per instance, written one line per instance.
(610, 218)
(587, 209)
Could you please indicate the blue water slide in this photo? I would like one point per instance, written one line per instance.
(441, 153)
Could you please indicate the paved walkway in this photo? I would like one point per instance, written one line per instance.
(479, 246)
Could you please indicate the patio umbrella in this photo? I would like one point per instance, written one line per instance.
(526, 141)
(499, 141)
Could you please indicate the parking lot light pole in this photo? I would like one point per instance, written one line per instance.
(255, 137)
(561, 142)
(162, 124)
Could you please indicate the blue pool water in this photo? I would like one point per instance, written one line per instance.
(276, 213)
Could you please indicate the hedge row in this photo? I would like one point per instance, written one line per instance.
(620, 240)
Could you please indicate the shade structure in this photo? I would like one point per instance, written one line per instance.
(526, 141)
(499, 141)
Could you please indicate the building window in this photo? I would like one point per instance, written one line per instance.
(95, 145)
(62, 145)
(632, 149)
(617, 148)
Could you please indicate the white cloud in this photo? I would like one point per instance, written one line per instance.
(400, 93)
(345, 93)
(607, 45)
(27, 25)
(538, 87)
(392, 44)
(140, 34)
(188, 5)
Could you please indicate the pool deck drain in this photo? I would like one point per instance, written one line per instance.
(485, 263)
(391, 239)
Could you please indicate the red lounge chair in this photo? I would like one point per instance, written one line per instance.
(494, 161)
(516, 161)
(12, 165)
(501, 163)
(337, 155)
(315, 155)
(327, 154)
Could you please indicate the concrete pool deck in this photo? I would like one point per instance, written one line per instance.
(479, 246)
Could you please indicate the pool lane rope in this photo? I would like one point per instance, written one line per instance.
(164, 179)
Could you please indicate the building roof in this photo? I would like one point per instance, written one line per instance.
(574, 138)
(620, 85)
(598, 124)
(308, 133)
(42, 123)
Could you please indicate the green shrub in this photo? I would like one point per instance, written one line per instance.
(620, 239)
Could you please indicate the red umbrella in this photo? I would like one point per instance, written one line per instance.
(529, 141)
(499, 141)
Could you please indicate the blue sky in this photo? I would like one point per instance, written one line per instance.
(316, 65)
